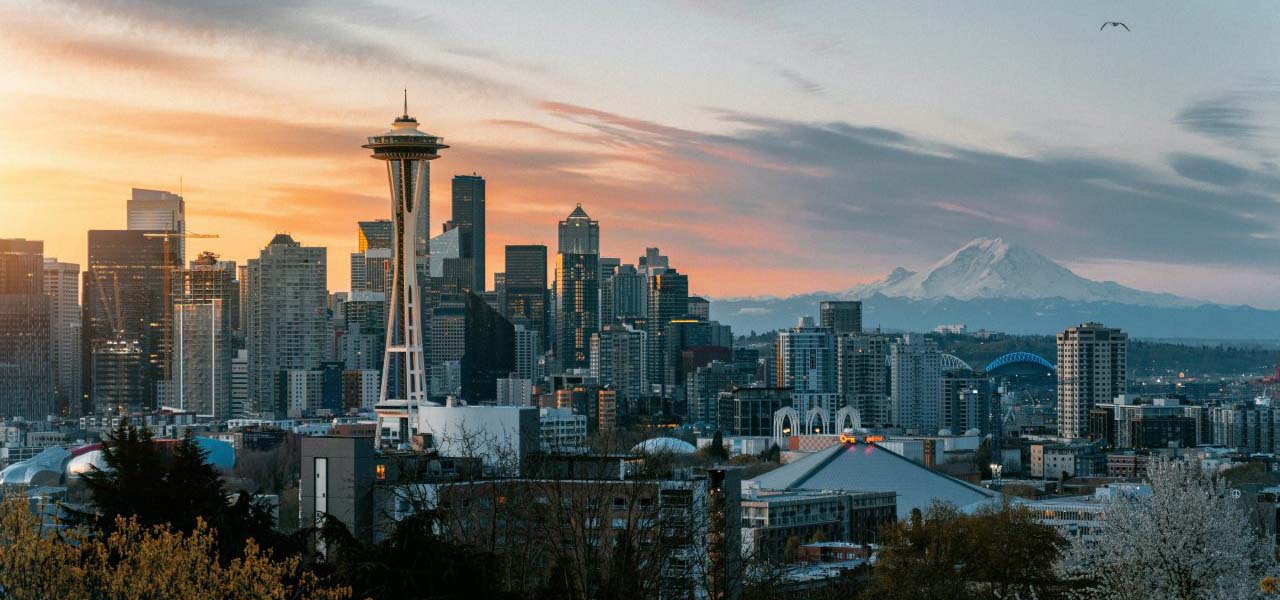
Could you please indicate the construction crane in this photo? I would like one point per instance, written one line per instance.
(167, 284)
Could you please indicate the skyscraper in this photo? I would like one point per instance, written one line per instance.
(62, 286)
(26, 374)
(966, 401)
(468, 215)
(618, 361)
(807, 358)
(204, 321)
(915, 367)
(526, 288)
(629, 293)
(1092, 369)
(668, 299)
(407, 153)
(841, 316)
(155, 210)
(374, 234)
(200, 375)
(608, 268)
(862, 376)
(287, 325)
(577, 289)
(488, 351)
(125, 313)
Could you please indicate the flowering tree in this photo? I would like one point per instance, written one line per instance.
(135, 561)
(1187, 540)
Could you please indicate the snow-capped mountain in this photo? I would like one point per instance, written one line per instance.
(996, 285)
(993, 268)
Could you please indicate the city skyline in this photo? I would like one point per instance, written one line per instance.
(831, 151)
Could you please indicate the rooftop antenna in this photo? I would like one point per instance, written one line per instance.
(406, 102)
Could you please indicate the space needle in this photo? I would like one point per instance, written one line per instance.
(406, 150)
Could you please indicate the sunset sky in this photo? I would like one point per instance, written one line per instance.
(768, 148)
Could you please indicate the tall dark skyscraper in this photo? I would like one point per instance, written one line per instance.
(26, 373)
(668, 300)
(468, 215)
(125, 311)
(841, 316)
(577, 289)
(525, 293)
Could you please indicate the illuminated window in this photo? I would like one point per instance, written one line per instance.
(381, 471)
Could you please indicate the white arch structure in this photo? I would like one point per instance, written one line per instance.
(788, 415)
(850, 415)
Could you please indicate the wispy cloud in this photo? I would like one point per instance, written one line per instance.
(802, 84)
(1237, 119)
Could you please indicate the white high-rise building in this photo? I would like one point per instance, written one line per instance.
(155, 210)
(514, 391)
(1092, 369)
(915, 367)
(287, 325)
(62, 285)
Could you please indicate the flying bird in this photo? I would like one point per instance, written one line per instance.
(1114, 24)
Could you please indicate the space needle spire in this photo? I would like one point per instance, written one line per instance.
(406, 150)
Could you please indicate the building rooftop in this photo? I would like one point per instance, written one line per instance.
(869, 467)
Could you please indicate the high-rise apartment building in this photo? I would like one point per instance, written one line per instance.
(915, 367)
(668, 298)
(525, 289)
(807, 358)
(62, 286)
(618, 361)
(966, 401)
(126, 311)
(1092, 369)
(862, 376)
(528, 347)
(468, 216)
(200, 371)
(841, 316)
(287, 323)
(155, 210)
(577, 289)
(26, 373)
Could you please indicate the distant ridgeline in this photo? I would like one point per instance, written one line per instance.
(1146, 357)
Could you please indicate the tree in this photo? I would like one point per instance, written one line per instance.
(157, 486)
(136, 561)
(175, 487)
(1187, 539)
(715, 451)
(998, 552)
(413, 562)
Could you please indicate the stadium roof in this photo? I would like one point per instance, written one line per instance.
(871, 468)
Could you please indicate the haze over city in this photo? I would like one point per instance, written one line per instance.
(843, 141)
